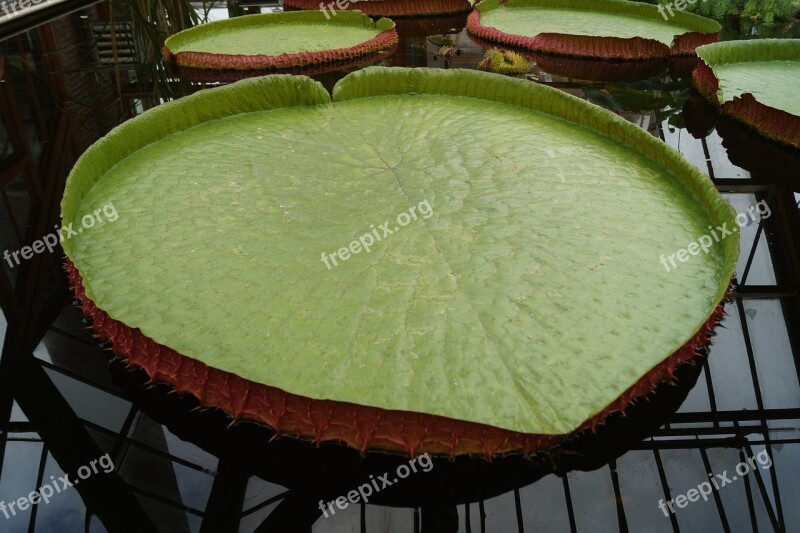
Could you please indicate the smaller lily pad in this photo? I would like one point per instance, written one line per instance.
(279, 40)
(753, 82)
(612, 29)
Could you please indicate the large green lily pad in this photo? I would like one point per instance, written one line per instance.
(528, 297)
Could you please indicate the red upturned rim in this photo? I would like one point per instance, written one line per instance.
(361, 427)
(775, 124)
(204, 60)
(206, 75)
(390, 8)
(595, 47)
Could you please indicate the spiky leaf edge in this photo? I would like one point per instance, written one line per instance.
(510, 62)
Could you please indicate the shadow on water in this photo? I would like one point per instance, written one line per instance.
(766, 160)
(330, 470)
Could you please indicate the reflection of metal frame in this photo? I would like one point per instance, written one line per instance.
(119, 43)
(47, 10)
(30, 308)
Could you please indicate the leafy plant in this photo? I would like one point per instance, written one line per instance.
(769, 10)
(762, 10)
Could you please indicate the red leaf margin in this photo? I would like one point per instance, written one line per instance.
(206, 75)
(594, 47)
(204, 60)
(361, 427)
(390, 8)
(775, 124)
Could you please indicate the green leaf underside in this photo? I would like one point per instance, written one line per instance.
(276, 34)
(529, 300)
(768, 69)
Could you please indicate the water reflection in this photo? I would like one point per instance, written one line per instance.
(766, 160)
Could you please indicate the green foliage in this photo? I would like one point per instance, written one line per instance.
(769, 10)
(715, 8)
(762, 10)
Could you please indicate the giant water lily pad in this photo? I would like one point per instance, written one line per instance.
(513, 293)
(279, 40)
(611, 29)
(755, 82)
